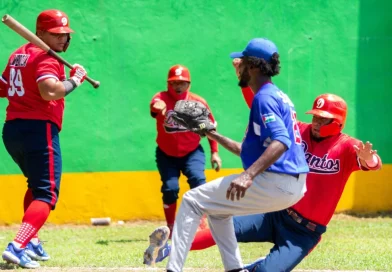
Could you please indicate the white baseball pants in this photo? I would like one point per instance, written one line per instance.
(269, 192)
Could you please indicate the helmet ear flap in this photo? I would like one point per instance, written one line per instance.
(67, 43)
(333, 128)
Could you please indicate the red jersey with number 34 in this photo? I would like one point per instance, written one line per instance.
(27, 66)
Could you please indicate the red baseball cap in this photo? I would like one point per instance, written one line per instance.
(54, 21)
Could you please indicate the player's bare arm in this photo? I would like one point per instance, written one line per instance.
(53, 89)
(367, 156)
(229, 144)
(239, 185)
(216, 161)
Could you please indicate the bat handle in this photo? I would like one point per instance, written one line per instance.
(94, 83)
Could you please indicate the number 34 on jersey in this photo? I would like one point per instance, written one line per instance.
(15, 83)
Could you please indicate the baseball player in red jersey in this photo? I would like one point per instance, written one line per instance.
(35, 85)
(178, 149)
(331, 156)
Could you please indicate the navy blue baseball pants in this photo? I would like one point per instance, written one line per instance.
(192, 166)
(34, 145)
(292, 241)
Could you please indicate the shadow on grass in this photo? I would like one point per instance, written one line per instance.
(107, 242)
(5, 266)
(382, 214)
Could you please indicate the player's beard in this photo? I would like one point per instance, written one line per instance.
(244, 79)
(243, 83)
(315, 138)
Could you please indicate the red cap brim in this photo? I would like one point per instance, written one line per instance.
(178, 78)
(321, 113)
(61, 29)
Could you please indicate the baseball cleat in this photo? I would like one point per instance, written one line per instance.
(19, 257)
(253, 266)
(163, 253)
(158, 239)
(36, 252)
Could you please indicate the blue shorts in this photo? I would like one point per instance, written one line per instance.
(35, 147)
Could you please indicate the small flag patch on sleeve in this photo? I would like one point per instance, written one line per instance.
(268, 118)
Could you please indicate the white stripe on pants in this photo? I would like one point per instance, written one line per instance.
(268, 192)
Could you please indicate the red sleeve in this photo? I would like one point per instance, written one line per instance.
(48, 67)
(4, 82)
(248, 95)
(3, 87)
(2, 91)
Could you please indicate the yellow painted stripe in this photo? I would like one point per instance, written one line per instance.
(136, 195)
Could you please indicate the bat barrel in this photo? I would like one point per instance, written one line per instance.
(5, 18)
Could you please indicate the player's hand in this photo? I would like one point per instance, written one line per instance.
(216, 161)
(236, 64)
(78, 74)
(159, 106)
(238, 186)
(365, 151)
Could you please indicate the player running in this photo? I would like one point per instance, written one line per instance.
(178, 150)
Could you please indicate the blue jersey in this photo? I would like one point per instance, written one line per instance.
(273, 117)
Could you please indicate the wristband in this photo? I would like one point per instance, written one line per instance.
(373, 162)
(69, 86)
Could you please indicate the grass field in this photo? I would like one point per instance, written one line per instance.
(351, 243)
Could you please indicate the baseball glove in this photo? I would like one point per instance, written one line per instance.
(193, 115)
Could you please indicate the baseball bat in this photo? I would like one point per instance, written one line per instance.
(28, 35)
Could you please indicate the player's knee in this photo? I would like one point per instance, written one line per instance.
(190, 201)
(47, 196)
(170, 196)
(196, 182)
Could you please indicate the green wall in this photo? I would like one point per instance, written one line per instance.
(325, 46)
(374, 76)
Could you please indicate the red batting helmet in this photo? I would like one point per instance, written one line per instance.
(179, 72)
(330, 106)
(54, 21)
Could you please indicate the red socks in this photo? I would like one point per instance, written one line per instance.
(170, 214)
(35, 216)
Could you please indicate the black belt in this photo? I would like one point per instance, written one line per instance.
(295, 175)
(305, 222)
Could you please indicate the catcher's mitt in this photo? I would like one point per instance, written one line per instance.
(193, 115)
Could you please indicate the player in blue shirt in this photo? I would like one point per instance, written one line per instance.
(273, 160)
(273, 118)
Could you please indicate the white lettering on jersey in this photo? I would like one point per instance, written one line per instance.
(320, 165)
